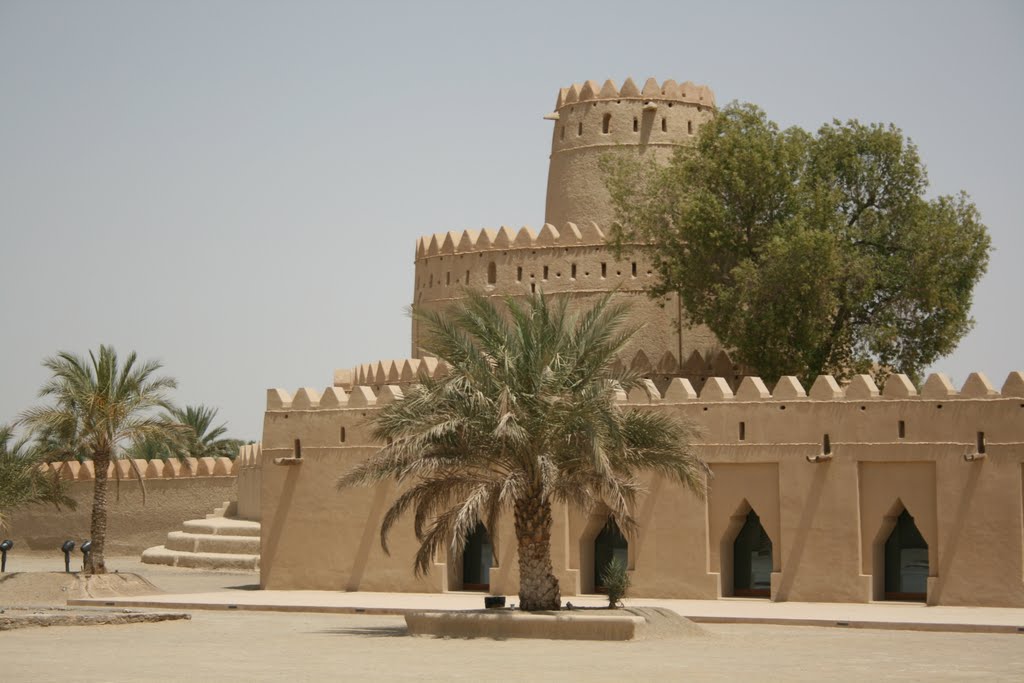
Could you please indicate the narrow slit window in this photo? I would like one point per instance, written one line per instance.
(448, 278)
(689, 127)
(981, 442)
(298, 449)
(664, 125)
(561, 134)
(636, 124)
(579, 128)
(606, 124)
(903, 429)
(826, 445)
(343, 435)
(431, 279)
(572, 270)
(519, 274)
(467, 277)
(634, 268)
(533, 288)
(492, 273)
(545, 272)
(604, 270)
(743, 431)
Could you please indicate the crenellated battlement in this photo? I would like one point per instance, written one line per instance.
(506, 239)
(172, 468)
(670, 90)
(715, 390)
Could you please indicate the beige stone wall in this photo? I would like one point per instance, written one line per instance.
(827, 520)
(570, 260)
(593, 121)
(132, 526)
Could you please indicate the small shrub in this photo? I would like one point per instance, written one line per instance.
(616, 581)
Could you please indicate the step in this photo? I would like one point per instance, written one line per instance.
(222, 526)
(212, 543)
(177, 558)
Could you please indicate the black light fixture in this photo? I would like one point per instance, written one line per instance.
(5, 545)
(86, 549)
(68, 546)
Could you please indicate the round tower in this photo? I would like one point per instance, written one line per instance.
(592, 121)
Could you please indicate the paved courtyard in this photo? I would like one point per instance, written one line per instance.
(264, 646)
(260, 646)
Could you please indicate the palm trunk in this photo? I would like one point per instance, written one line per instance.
(538, 587)
(97, 564)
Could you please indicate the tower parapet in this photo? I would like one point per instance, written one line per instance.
(593, 120)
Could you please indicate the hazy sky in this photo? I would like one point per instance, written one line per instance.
(235, 188)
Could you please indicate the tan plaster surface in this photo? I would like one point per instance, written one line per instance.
(313, 647)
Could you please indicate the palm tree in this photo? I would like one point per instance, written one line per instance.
(106, 406)
(203, 439)
(23, 481)
(198, 438)
(525, 418)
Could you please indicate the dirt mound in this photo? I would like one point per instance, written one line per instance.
(664, 624)
(56, 588)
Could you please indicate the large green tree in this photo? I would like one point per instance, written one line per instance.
(807, 253)
(525, 418)
(22, 479)
(105, 405)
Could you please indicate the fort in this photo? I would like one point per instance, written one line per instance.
(825, 493)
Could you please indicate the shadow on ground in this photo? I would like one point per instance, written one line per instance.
(368, 631)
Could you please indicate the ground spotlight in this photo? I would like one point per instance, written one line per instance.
(68, 546)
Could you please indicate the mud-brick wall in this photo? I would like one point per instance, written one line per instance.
(132, 525)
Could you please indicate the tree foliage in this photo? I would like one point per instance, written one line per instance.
(104, 405)
(807, 253)
(197, 438)
(525, 417)
(23, 481)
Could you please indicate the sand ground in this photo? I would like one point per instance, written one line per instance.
(219, 646)
(264, 646)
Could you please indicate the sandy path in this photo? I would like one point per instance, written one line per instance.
(300, 647)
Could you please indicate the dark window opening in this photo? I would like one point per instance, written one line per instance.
(448, 278)
(477, 560)
(533, 288)
(579, 128)
(634, 268)
(343, 435)
(981, 442)
(826, 445)
(636, 124)
(752, 560)
(604, 270)
(467, 277)
(298, 449)
(492, 273)
(573, 271)
(561, 134)
(903, 429)
(519, 274)
(664, 124)
(906, 562)
(689, 127)
(606, 124)
(609, 545)
(545, 272)
(743, 431)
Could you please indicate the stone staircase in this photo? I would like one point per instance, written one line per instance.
(217, 542)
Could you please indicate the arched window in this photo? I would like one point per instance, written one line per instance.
(609, 545)
(606, 124)
(477, 560)
(752, 560)
(492, 273)
(906, 561)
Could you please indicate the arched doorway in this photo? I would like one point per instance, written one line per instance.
(477, 560)
(752, 560)
(906, 562)
(609, 545)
